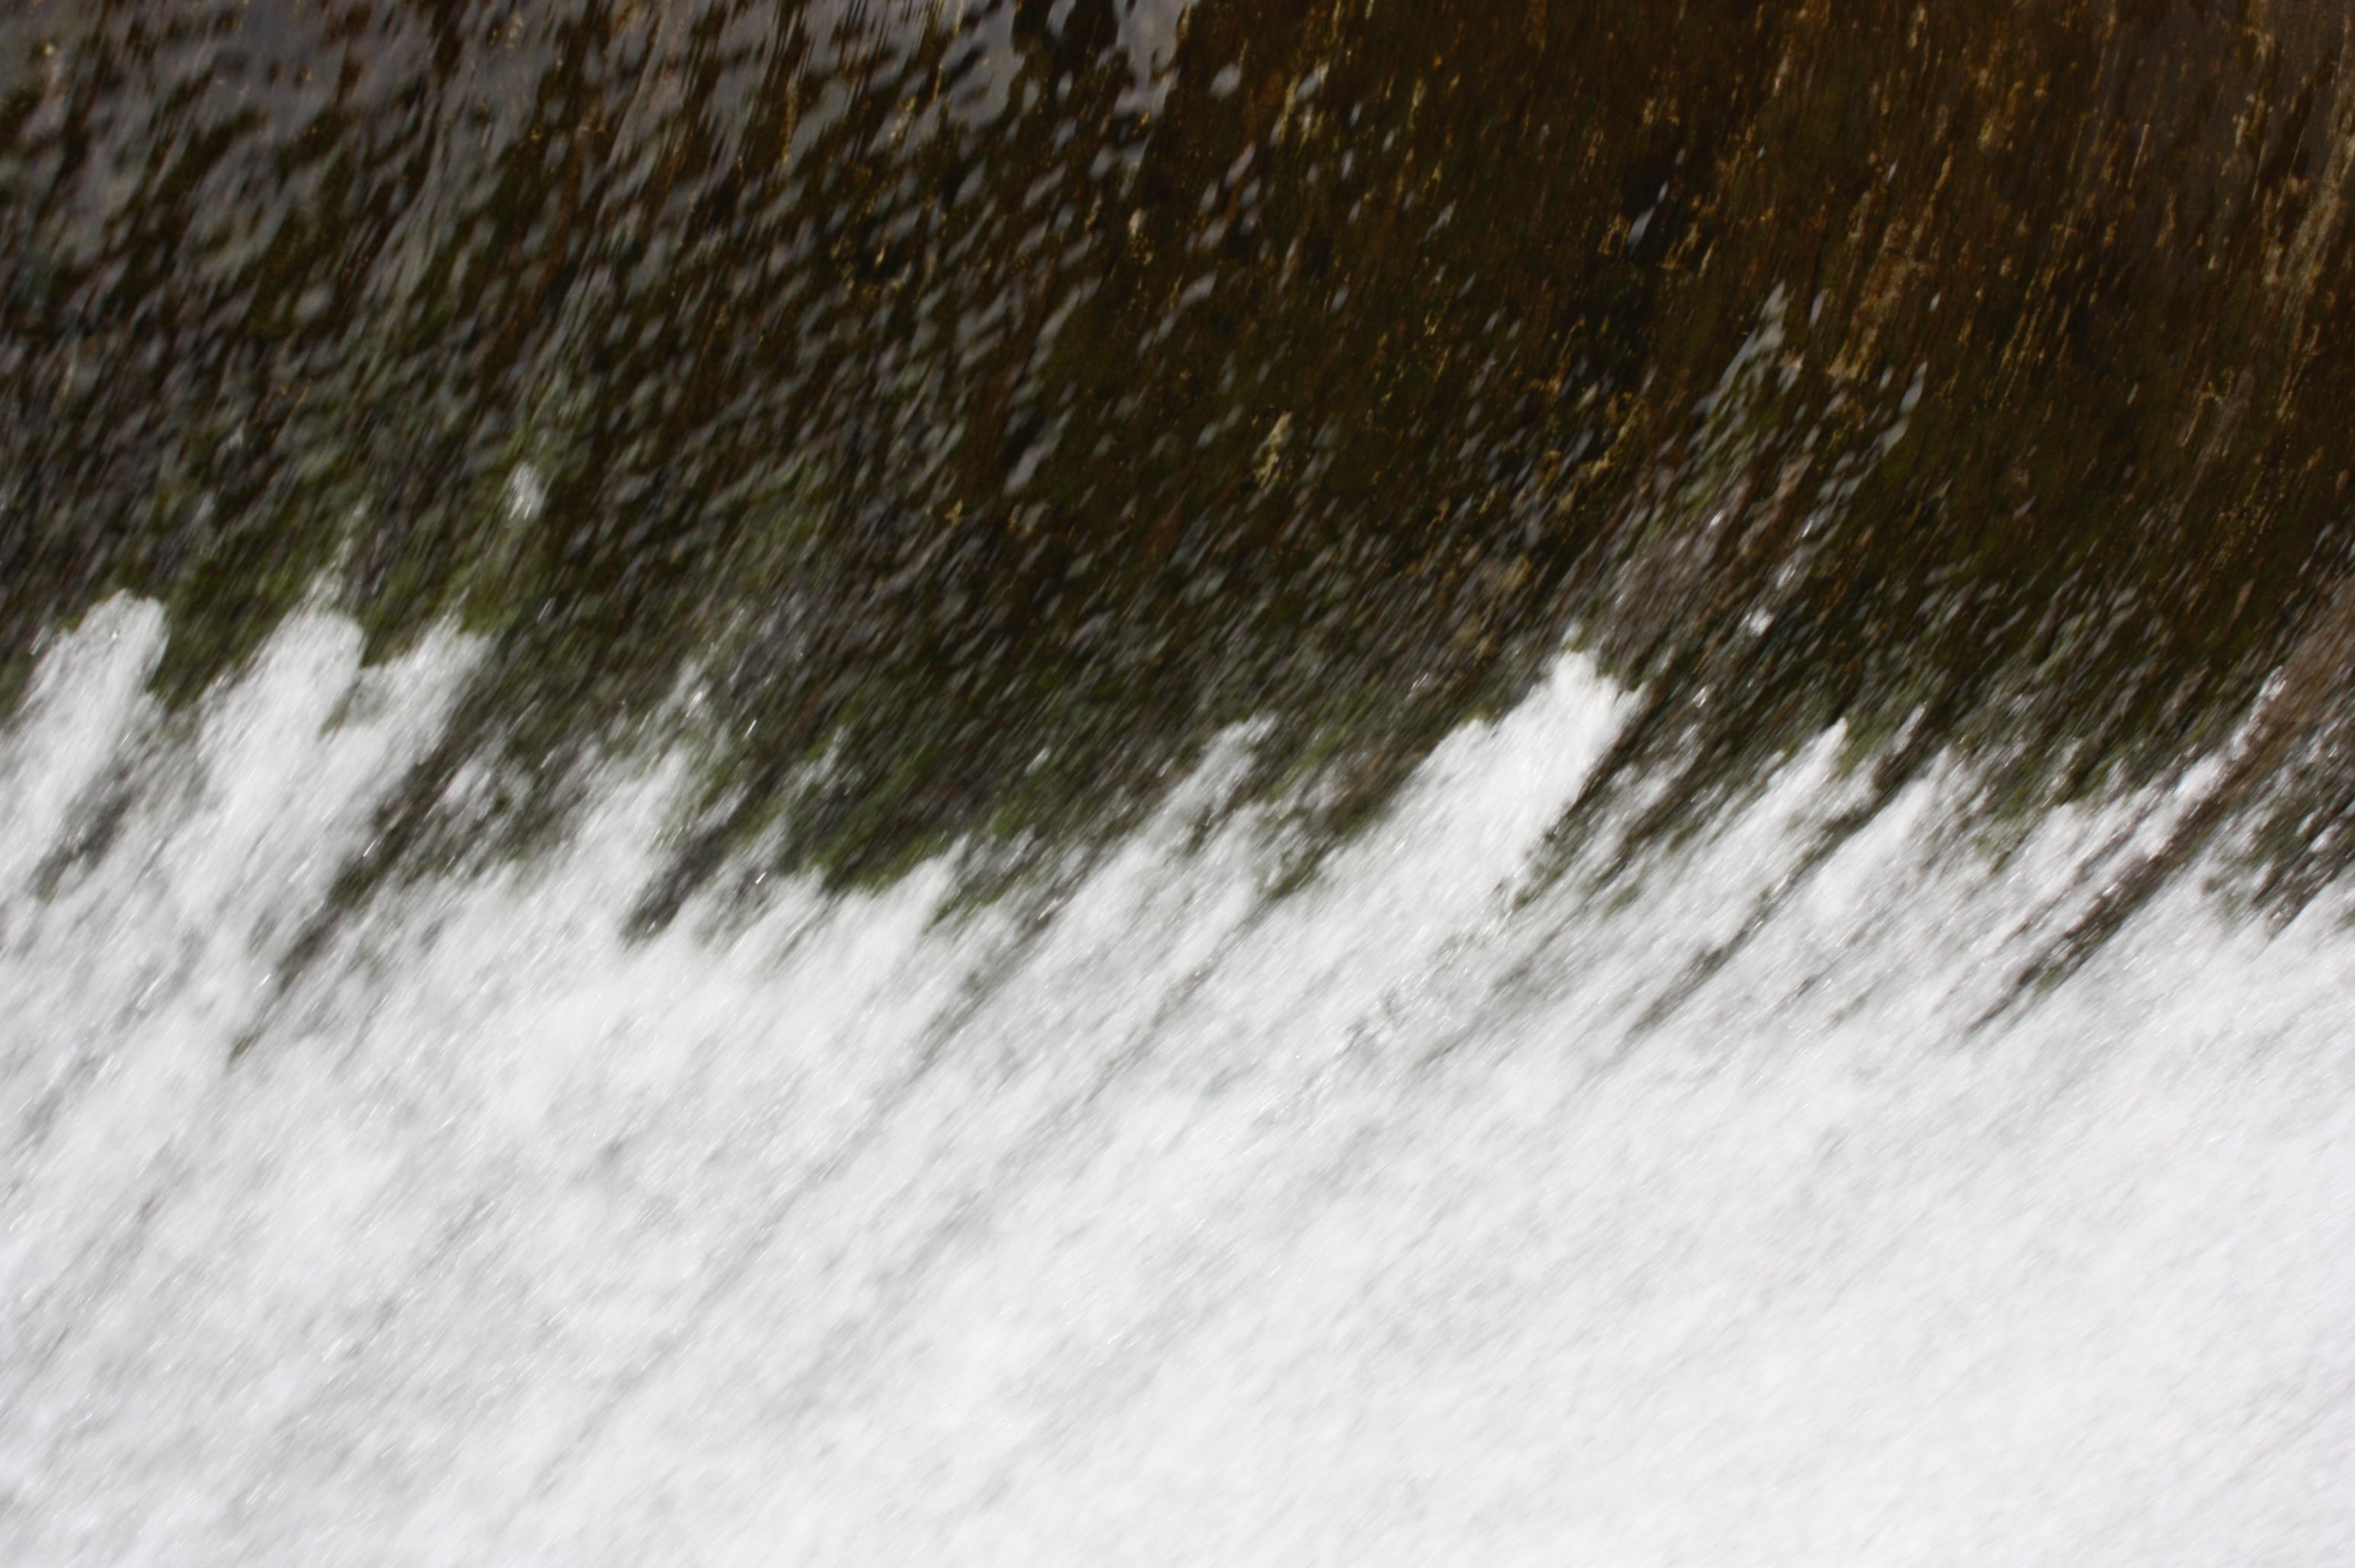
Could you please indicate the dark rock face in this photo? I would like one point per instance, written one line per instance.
(982, 404)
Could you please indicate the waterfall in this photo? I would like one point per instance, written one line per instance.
(1406, 1215)
(854, 782)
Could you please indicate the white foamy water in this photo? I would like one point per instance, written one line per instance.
(1397, 1221)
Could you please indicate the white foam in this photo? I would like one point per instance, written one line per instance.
(1390, 1221)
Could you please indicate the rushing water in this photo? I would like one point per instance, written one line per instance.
(1177, 782)
(1395, 1220)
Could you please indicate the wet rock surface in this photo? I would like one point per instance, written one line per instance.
(946, 419)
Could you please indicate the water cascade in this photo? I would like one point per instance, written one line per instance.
(1137, 782)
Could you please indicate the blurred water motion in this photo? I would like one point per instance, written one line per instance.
(979, 407)
(1176, 781)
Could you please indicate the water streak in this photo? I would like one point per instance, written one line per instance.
(1392, 1220)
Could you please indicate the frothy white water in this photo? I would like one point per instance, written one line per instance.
(1393, 1220)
